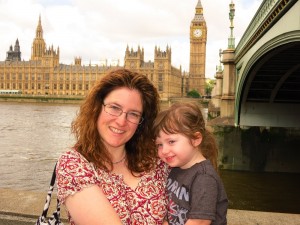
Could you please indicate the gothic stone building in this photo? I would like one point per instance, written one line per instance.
(43, 74)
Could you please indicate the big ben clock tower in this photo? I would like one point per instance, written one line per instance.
(198, 37)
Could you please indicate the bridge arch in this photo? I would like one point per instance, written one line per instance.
(268, 90)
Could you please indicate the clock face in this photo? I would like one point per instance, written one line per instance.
(197, 32)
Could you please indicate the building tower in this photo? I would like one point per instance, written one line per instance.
(14, 54)
(39, 45)
(198, 37)
(134, 59)
(39, 51)
(162, 65)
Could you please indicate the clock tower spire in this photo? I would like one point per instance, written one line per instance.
(198, 37)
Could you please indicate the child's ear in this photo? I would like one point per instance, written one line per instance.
(197, 140)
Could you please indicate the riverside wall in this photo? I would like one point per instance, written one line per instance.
(79, 99)
(41, 99)
(23, 207)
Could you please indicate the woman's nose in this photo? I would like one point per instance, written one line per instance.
(121, 120)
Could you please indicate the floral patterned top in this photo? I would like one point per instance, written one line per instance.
(144, 205)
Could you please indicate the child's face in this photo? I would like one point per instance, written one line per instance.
(177, 150)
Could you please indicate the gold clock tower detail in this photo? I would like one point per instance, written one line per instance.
(198, 37)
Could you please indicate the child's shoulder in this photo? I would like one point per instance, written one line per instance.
(204, 167)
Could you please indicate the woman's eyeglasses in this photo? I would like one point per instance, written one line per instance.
(131, 116)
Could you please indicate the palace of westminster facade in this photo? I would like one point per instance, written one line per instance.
(44, 75)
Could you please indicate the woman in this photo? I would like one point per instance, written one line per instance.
(112, 175)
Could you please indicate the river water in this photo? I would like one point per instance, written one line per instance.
(33, 135)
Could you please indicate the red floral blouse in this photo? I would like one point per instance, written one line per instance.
(144, 205)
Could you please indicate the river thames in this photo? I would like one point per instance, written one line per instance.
(33, 135)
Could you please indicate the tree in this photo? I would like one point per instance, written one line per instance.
(209, 85)
(193, 94)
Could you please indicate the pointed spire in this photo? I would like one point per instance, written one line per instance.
(199, 13)
(17, 46)
(199, 5)
(39, 29)
(39, 45)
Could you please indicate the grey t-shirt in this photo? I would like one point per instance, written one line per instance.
(196, 193)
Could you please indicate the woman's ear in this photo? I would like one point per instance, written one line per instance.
(197, 140)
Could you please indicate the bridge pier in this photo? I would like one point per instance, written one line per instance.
(258, 149)
(228, 87)
(222, 105)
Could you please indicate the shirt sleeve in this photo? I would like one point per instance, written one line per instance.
(203, 198)
(73, 173)
(163, 169)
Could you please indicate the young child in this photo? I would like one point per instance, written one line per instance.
(196, 192)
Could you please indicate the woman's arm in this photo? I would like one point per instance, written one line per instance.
(197, 222)
(91, 207)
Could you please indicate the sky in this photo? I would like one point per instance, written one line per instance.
(99, 30)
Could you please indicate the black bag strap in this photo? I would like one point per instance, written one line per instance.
(48, 198)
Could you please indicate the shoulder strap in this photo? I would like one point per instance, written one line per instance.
(50, 191)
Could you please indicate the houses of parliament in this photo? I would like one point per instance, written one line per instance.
(43, 74)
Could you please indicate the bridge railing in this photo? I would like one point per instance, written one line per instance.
(262, 12)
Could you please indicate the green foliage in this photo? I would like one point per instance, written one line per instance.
(209, 85)
(193, 94)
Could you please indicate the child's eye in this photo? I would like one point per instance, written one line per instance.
(171, 142)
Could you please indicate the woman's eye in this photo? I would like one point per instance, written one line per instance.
(116, 108)
(132, 114)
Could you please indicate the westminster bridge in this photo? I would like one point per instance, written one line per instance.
(260, 82)
(255, 104)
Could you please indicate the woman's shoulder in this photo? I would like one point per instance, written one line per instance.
(73, 173)
(72, 159)
(161, 164)
(162, 168)
(70, 153)
(73, 155)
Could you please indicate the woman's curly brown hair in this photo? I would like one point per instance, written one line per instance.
(140, 149)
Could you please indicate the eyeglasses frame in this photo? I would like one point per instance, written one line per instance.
(141, 119)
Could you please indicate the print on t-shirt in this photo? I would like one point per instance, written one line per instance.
(177, 214)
